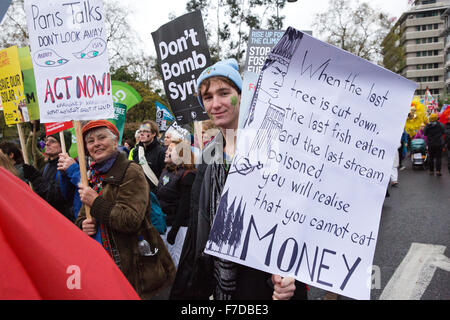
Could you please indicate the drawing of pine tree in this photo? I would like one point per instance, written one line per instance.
(228, 225)
(238, 226)
(216, 234)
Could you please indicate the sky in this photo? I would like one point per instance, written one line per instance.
(148, 16)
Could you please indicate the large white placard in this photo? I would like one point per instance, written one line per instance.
(70, 59)
(305, 190)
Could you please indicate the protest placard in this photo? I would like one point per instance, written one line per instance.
(163, 116)
(183, 53)
(305, 190)
(120, 111)
(11, 87)
(70, 59)
(260, 42)
(4, 5)
(29, 83)
(178, 133)
(55, 127)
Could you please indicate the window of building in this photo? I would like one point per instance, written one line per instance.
(427, 79)
(427, 14)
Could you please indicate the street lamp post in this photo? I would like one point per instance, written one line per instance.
(278, 17)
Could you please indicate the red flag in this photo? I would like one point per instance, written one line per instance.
(45, 256)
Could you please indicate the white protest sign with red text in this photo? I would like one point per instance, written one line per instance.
(70, 59)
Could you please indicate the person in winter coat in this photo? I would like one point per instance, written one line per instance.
(447, 141)
(70, 178)
(47, 183)
(154, 153)
(118, 197)
(434, 132)
(174, 194)
(200, 275)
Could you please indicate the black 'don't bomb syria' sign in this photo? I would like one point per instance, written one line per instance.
(183, 54)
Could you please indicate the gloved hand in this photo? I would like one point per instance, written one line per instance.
(30, 173)
(171, 236)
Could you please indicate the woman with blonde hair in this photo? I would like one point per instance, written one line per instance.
(174, 194)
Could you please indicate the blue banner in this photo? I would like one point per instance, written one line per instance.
(163, 116)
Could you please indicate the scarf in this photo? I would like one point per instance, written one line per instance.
(225, 271)
(97, 172)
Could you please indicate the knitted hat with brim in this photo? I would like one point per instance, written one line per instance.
(98, 124)
(67, 138)
(226, 68)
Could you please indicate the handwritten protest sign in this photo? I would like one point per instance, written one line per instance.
(11, 87)
(183, 54)
(305, 189)
(70, 59)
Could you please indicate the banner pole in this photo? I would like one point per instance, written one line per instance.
(22, 143)
(23, 147)
(198, 128)
(63, 142)
(34, 139)
(82, 160)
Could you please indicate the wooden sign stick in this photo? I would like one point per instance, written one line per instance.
(23, 147)
(82, 160)
(63, 142)
(22, 143)
(198, 128)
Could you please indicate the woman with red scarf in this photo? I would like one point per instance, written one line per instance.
(118, 195)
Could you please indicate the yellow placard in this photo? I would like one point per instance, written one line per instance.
(11, 87)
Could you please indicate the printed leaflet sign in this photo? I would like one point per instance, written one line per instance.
(183, 54)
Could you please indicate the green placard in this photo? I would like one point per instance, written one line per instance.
(29, 82)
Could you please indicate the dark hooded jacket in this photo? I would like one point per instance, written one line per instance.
(155, 154)
(47, 184)
(194, 278)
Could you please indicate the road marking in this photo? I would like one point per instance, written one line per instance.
(415, 272)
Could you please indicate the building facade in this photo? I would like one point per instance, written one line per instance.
(415, 47)
(446, 36)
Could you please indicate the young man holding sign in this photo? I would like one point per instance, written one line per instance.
(199, 275)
